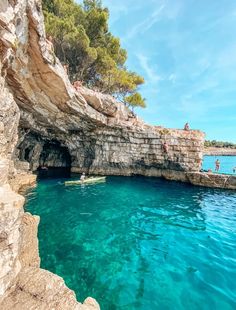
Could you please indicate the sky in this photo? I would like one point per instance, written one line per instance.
(186, 51)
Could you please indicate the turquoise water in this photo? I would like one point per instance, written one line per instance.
(140, 243)
(227, 163)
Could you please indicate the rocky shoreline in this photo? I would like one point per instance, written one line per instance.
(216, 151)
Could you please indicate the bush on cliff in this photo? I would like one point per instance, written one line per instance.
(82, 40)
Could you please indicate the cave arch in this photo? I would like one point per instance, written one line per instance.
(54, 160)
(50, 158)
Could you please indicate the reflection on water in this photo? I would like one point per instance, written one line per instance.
(140, 243)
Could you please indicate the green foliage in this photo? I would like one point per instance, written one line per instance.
(82, 39)
(219, 144)
(92, 4)
(135, 100)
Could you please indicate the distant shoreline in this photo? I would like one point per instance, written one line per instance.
(219, 151)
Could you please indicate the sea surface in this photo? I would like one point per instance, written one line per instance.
(227, 163)
(140, 243)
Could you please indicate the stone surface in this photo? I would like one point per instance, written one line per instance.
(212, 180)
(28, 254)
(11, 204)
(11, 212)
(40, 289)
(105, 104)
(21, 181)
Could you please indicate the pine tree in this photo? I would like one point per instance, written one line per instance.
(83, 41)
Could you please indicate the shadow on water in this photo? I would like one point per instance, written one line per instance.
(45, 172)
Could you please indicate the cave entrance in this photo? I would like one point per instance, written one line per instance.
(54, 161)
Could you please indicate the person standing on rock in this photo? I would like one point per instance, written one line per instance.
(186, 126)
(217, 165)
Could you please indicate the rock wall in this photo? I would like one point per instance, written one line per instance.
(10, 203)
(23, 285)
(117, 151)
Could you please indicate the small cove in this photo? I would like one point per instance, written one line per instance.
(139, 243)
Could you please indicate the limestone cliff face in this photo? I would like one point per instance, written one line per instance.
(10, 203)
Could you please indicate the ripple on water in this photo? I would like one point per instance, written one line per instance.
(140, 243)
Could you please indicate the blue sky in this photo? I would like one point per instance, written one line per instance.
(186, 51)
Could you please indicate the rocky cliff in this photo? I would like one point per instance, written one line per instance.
(58, 126)
(84, 129)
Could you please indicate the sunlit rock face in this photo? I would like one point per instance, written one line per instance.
(10, 203)
(212, 180)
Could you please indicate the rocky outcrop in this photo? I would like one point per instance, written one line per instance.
(11, 203)
(40, 289)
(10, 239)
(212, 180)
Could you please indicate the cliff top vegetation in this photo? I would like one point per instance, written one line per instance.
(82, 40)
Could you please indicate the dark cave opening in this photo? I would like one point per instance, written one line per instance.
(48, 158)
(54, 161)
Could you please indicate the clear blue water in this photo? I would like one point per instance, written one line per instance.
(140, 243)
(227, 163)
